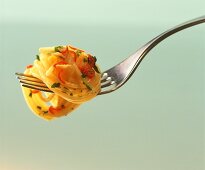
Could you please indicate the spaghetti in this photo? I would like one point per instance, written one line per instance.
(70, 73)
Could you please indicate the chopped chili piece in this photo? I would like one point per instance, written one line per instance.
(73, 48)
(54, 110)
(64, 51)
(88, 71)
(91, 61)
(60, 76)
(29, 66)
(35, 91)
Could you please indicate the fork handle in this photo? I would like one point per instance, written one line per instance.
(171, 31)
(138, 56)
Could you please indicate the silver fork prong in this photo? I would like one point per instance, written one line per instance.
(30, 80)
(26, 75)
(110, 83)
(31, 84)
(37, 88)
(106, 82)
(104, 76)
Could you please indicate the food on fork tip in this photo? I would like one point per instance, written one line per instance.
(70, 73)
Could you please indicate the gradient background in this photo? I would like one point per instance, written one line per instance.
(154, 122)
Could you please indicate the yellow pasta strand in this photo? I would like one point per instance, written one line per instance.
(70, 73)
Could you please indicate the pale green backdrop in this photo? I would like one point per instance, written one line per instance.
(154, 122)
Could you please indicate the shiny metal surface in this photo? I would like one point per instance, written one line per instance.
(115, 77)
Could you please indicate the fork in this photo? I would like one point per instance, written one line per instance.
(113, 78)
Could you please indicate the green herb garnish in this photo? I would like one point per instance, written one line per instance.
(58, 48)
(45, 112)
(87, 85)
(95, 58)
(30, 94)
(96, 69)
(85, 82)
(55, 85)
(39, 107)
(83, 76)
(37, 57)
(85, 60)
(78, 52)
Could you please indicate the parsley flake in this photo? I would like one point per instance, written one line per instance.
(85, 60)
(37, 57)
(83, 76)
(30, 94)
(95, 58)
(39, 107)
(58, 48)
(55, 85)
(78, 52)
(96, 69)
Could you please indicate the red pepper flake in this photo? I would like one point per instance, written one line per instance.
(54, 110)
(73, 48)
(72, 54)
(91, 60)
(29, 66)
(60, 76)
(64, 51)
(88, 71)
(34, 91)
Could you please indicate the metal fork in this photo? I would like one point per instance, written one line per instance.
(115, 77)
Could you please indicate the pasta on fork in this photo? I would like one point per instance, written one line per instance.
(70, 73)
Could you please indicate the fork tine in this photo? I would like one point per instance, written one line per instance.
(37, 88)
(106, 81)
(23, 78)
(26, 75)
(107, 84)
(103, 76)
(32, 82)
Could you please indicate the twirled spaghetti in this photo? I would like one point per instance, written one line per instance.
(70, 73)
